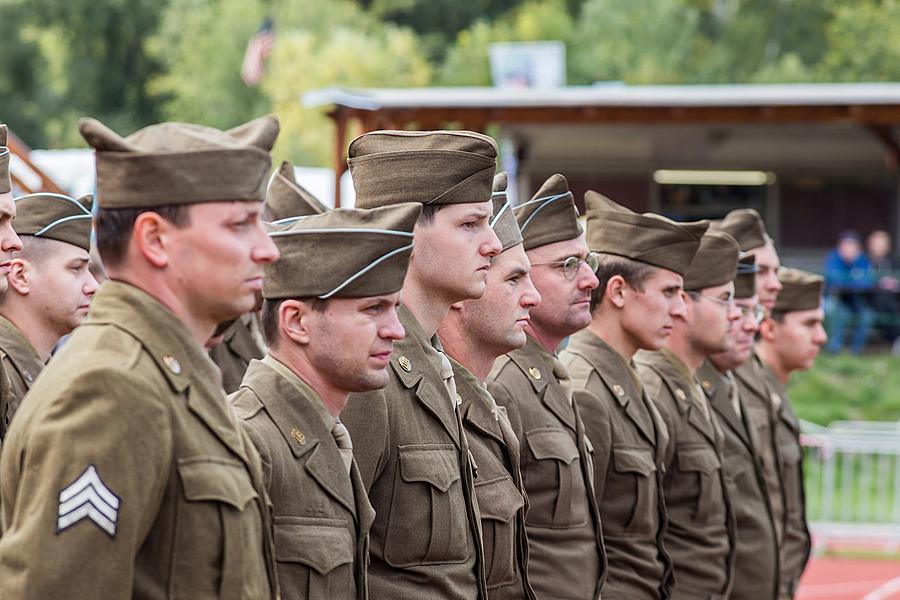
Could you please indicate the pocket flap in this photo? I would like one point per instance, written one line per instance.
(632, 460)
(704, 461)
(436, 466)
(790, 453)
(213, 479)
(552, 443)
(499, 499)
(322, 547)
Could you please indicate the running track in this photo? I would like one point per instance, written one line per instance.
(833, 578)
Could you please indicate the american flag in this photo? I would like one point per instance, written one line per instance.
(258, 48)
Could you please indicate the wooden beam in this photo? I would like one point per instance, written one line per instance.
(888, 138)
(339, 116)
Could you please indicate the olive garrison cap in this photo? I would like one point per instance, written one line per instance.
(648, 238)
(5, 184)
(550, 216)
(504, 220)
(286, 198)
(55, 217)
(745, 280)
(343, 253)
(800, 290)
(181, 163)
(715, 263)
(746, 226)
(430, 167)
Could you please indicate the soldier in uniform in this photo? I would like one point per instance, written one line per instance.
(566, 557)
(790, 339)
(330, 321)
(700, 537)
(643, 259)
(9, 243)
(746, 226)
(50, 286)
(756, 562)
(409, 440)
(474, 334)
(238, 342)
(125, 472)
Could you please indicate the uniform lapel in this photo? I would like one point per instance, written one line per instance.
(475, 407)
(750, 374)
(715, 386)
(537, 364)
(21, 353)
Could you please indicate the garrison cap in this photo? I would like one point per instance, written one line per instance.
(5, 184)
(181, 163)
(430, 167)
(504, 220)
(746, 226)
(715, 263)
(343, 253)
(55, 217)
(550, 216)
(648, 238)
(286, 198)
(800, 290)
(745, 281)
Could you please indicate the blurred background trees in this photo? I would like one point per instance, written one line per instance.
(132, 62)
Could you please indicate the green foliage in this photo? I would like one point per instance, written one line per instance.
(846, 387)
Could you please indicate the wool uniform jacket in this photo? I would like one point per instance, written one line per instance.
(414, 460)
(20, 366)
(321, 513)
(630, 441)
(567, 558)
(241, 343)
(756, 562)
(126, 472)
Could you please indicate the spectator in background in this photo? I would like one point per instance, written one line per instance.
(849, 287)
(886, 298)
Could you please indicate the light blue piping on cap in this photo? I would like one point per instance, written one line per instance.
(337, 229)
(546, 200)
(58, 196)
(365, 270)
(60, 222)
(499, 213)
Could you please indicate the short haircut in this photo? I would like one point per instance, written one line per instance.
(36, 249)
(777, 315)
(269, 316)
(634, 272)
(426, 217)
(115, 226)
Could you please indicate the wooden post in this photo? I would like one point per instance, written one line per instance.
(340, 162)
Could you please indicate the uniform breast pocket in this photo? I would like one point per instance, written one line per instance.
(699, 485)
(315, 558)
(428, 523)
(633, 495)
(554, 480)
(499, 500)
(791, 457)
(218, 525)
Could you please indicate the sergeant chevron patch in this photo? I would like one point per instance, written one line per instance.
(88, 498)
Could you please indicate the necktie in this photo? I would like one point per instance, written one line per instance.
(735, 397)
(562, 375)
(342, 438)
(447, 376)
(702, 401)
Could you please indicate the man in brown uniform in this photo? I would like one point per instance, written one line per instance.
(700, 537)
(566, 554)
(125, 471)
(409, 441)
(756, 562)
(50, 286)
(790, 340)
(474, 334)
(330, 320)
(746, 226)
(9, 243)
(241, 341)
(643, 259)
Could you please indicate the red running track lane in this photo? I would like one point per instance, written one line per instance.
(830, 578)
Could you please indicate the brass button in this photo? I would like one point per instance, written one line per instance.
(405, 364)
(618, 389)
(679, 393)
(172, 364)
(707, 384)
(458, 399)
(534, 372)
(298, 436)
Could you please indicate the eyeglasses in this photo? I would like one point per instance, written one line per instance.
(758, 312)
(572, 264)
(726, 302)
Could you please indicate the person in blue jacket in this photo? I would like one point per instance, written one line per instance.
(849, 285)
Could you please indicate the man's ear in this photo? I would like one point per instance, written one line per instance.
(19, 276)
(294, 320)
(767, 329)
(616, 290)
(152, 236)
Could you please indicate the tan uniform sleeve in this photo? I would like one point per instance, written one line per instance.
(83, 482)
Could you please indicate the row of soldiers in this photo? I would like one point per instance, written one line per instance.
(436, 394)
